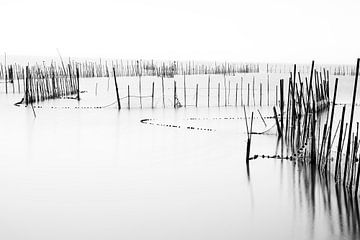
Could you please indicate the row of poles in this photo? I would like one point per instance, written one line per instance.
(340, 70)
(223, 94)
(132, 68)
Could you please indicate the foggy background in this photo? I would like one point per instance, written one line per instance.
(231, 30)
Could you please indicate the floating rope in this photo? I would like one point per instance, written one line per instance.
(150, 122)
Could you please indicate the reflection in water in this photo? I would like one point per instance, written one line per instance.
(319, 191)
(331, 210)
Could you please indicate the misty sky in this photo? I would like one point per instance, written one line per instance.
(232, 30)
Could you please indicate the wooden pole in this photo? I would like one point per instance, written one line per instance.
(277, 122)
(78, 83)
(117, 91)
(152, 95)
(225, 90)
(236, 94)
(339, 147)
(197, 94)
(174, 94)
(347, 155)
(331, 124)
(282, 105)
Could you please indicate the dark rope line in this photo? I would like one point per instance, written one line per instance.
(225, 118)
(150, 122)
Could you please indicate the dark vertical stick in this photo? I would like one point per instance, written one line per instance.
(339, 151)
(78, 83)
(282, 105)
(331, 124)
(313, 136)
(357, 180)
(249, 141)
(236, 94)
(225, 90)
(6, 88)
(174, 94)
(152, 95)
(353, 158)
(197, 95)
(277, 122)
(17, 76)
(347, 155)
(117, 91)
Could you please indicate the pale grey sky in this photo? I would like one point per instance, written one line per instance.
(232, 30)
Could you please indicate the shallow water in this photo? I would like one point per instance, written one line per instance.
(79, 172)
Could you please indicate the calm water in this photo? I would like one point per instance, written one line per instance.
(79, 172)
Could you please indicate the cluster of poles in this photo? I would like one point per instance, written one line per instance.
(305, 127)
(40, 86)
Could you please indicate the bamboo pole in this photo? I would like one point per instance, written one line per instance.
(117, 91)
(331, 124)
(174, 94)
(152, 95)
(236, 94)
(347, 155)
(339, 147)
